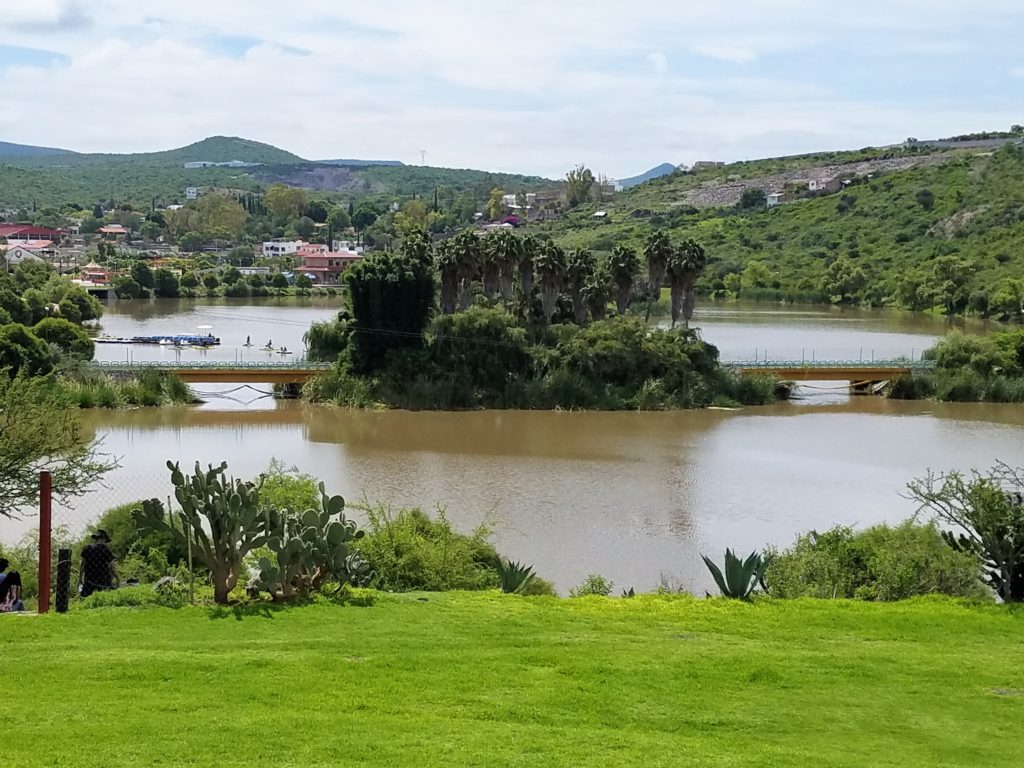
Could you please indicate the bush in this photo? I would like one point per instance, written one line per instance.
(594, 584)
(72, 339)
(410, 551)
(136, 597)
(880, 563)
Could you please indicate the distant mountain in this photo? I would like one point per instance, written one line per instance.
(655, 173)
(27, 150)
(219, 149)
(360, 163)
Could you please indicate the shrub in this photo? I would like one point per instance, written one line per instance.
(410, 551)
(594, 584)
(135, 597)
(880, 563)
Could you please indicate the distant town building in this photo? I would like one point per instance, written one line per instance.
(27, 232)
(773, 199)
(824, 185)
(281, 247)
(16, 254)
(113, 232)
(325, 267)
(191, 193)
(94, 274)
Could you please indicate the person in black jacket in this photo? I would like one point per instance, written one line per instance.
(99, 567)
(10, 589)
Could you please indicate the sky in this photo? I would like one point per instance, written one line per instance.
(534, 86)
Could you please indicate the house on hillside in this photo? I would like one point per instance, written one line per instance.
(325, 267)
(281, 247)
(824, 185)
(94, 274)
(114, 232)
(773, 199)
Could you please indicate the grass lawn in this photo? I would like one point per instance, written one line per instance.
(489, 680)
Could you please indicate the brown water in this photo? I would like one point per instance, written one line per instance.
(636, 497)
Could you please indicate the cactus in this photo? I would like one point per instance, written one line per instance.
(311, 548)
(220, 515)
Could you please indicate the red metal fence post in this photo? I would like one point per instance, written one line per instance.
(45, 539)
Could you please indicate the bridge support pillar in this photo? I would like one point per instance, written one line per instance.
(866, 387)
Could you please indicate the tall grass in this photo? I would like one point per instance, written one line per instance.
(150, 389)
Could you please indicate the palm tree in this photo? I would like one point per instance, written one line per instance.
(508, 252)
(598, 290)
(550, 264)
(490, 267)
(658, 250)
(580, 268)
(417, 246)
(469, 255)
(624, 267)
(684, 267)
(447, 263)
(527, 255)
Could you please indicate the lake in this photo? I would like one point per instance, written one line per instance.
(636, 497)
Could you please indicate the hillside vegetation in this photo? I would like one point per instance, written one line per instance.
(945, 234)
(44, 179)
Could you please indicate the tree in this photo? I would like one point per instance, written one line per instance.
(325, 341)
(190, 280)
(447, 263)
(580, 268)
(210, 281)
(22, 352)
(72, 339)
(40, 429)
(412, 216)
(579, 184)
(339, 220)
(527, 256)
(550, 265)
(150, 231)
(364, 216)
(843, 279)
(128, 288)
(316, 210)
(279, 281)
(97, 211)
(191, 242)
(925, 198)
(625, 266)
(753, 198)
(220, 213)
(657, 250)
(284, 202)
(302, 282)
(986, 511)
(142, 274)
(598, 290)
(495, 207)
(165, 284)
(231, 275)
(507, 253)
(304, 227)
(391, 296)
(684, 267)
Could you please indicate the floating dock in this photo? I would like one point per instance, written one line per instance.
(179, 340)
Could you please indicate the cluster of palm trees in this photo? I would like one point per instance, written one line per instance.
(507, 266)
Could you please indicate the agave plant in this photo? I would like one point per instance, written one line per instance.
(741, 577)
(513, 577)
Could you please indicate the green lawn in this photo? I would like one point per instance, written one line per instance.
(488, 680)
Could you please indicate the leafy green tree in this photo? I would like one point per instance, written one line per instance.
(986, 514)
(279, 281)
(22, 352)
(625, 266)
(325, 341)
(191, 242)
(241, 256)
(481, 347)
(753, 198)
(495, 208)
(339, 219)
(757, 275)
(925, 198)
(284, 202)
(150, 231)
(391, 297)
(165, 284)
(365, 215)
(143, 275)
(579, 185)
(128, 288)
(316, 210)
(71, 338)
(230, 275)
(304, 227)
(302, 282)
(190, 280)
(844, 278)
(40, 429)
(210, 281)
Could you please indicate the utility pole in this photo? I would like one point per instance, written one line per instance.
(423, 157)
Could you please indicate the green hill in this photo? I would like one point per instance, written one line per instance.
(917, 230)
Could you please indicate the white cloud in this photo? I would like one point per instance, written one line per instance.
(533, 87)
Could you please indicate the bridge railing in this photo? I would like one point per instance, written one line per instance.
(913, 365)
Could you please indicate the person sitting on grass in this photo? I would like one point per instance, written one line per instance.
(99, 567)
(10, 589)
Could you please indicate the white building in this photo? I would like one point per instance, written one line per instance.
(281, 247)
(191, 193)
